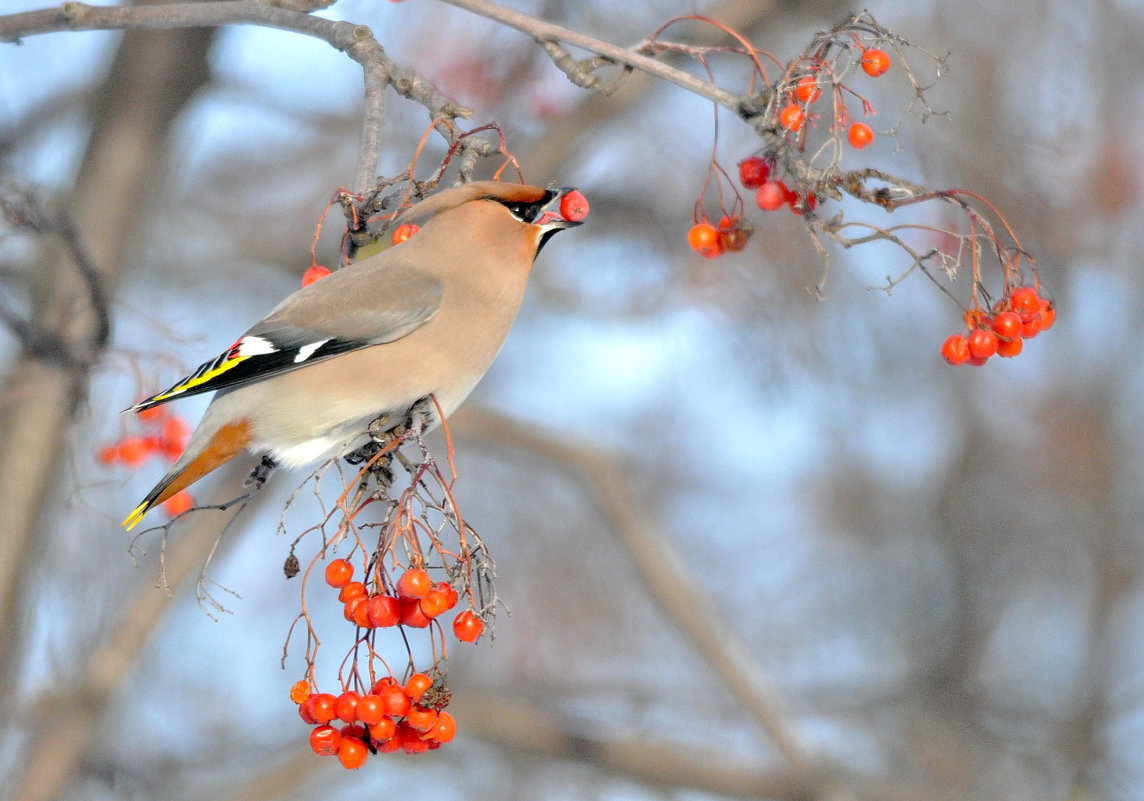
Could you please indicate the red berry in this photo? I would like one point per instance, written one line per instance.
(574, 206)
(370, 709)
(771, 195)
(450, 593)
(383, 729)
(173, 441)
(467, 627)
(977, 361)
(383, 611)
(1007, 325)
(322, 707)
(410, 739)
(411, 614)
(346, 706)
(982, 343)
(154, 414)
(1025, 301)
(354, 730)
(395, 700)
(420, 718)
(1009, 348)
(315, 273)
(338, 573)
(753, 172)
(792, 117)
(403, 232)
(414, 583)
(179, 503)
(446, 728)
(133, 451)
(171, 449)
(875, 62)
(416, 686)
(1048, 315)
(352, 753)
(356, 611)
(806, 90)
(325, 740)
(382, 683)
(955, 349)
(704, 240)
(305, 714)
(1031, 327)
(354, 589)
(177, 429)
(434, 603)
(860, 135)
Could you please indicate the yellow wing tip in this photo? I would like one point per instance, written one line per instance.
(136, 515)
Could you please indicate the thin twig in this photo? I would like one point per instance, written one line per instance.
(546, 31)
(356, 41)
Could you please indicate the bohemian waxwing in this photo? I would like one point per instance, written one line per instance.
(422, 319)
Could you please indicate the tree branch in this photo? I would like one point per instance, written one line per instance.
(546, 31)
(356, 41)
(65, 728)
(664, 573)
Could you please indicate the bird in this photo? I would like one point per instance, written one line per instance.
(376, 340)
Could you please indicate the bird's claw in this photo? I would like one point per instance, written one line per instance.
(260, 473)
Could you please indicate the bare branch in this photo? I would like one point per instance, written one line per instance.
(22, 209)
(546, 31)
(69, 722)
(664, 572)
(356, 41)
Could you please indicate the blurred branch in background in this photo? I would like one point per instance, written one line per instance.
(356, 41)
(152, 78)
(62, 726)
(665, 574)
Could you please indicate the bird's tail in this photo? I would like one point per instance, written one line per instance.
(226, 443)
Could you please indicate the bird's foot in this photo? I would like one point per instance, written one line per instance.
(260, 473)
(422, 416)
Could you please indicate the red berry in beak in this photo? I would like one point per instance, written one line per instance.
(574, 206)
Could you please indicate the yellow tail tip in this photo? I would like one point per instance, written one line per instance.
(136, 515)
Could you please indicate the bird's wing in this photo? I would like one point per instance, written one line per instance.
(338, 314)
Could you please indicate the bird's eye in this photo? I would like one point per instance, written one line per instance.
(520, 211)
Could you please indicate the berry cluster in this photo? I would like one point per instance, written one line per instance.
(1020, 315)
(167, 437)
(418, 601)
(711, 241)
(391, 716)
(799, 91)
(771, 192)
(807, 88)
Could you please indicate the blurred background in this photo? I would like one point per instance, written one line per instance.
(754, 543)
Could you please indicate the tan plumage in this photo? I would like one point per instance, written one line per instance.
(423, 318)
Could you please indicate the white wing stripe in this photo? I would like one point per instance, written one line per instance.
(306, 351)
(255, 346)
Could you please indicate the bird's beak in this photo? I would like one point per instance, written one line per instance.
(567, 209)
